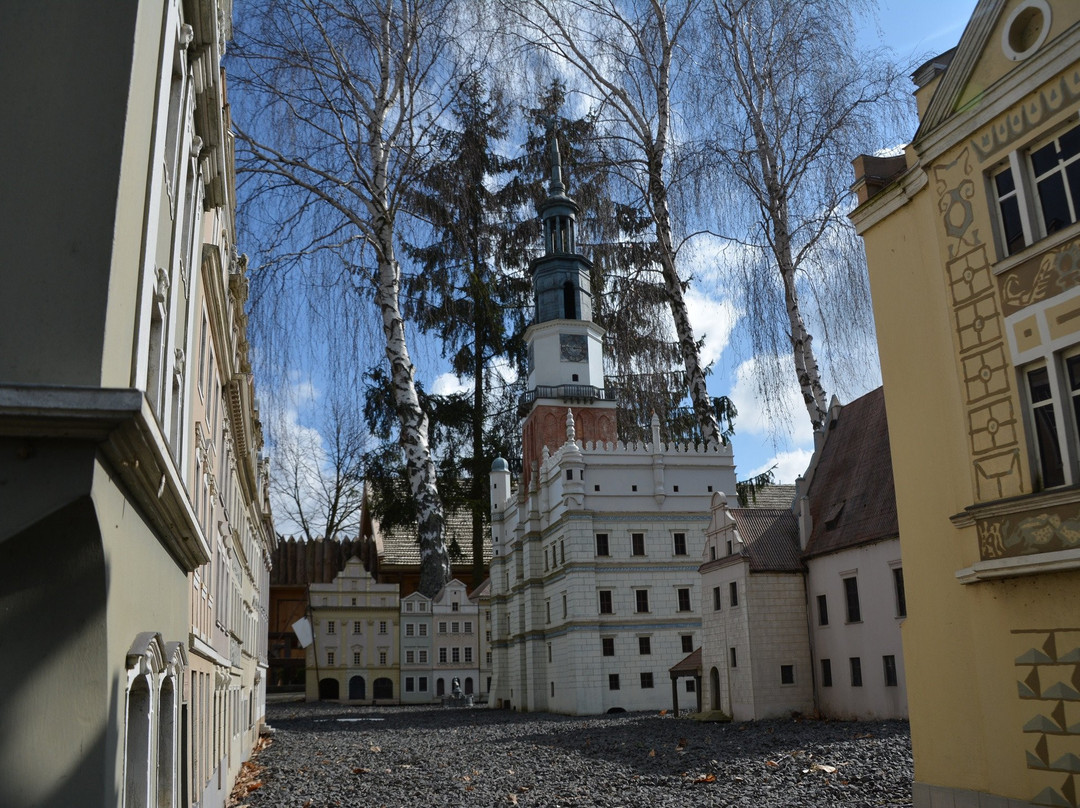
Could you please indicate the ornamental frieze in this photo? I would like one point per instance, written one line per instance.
(1040, 277)
(1028, 116)
(1040, 530)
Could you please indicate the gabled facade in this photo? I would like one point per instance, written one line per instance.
(417, 650)
(134, 527)
(972, 240)
(755, 652)
(357, 641)
(456, 620)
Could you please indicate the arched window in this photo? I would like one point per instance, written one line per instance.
(357, 688)
(166, 768)
(137, 763)
(329, 689)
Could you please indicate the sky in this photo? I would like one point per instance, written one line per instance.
(915, 30)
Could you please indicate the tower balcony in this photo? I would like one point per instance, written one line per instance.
(568, 393)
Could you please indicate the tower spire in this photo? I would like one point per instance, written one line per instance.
(555, 186)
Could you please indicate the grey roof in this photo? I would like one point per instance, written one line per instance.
(780, 495)
(400, 547)
(852, 500)
(770, 538)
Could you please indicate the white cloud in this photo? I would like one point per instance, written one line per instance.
(447, 384)
(712, 320)
(788, 465)
(788, 423)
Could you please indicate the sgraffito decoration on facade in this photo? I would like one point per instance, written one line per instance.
(1044, 531)
(1041, 277)
(1048, 682)
(984, 366)
(1027, 117)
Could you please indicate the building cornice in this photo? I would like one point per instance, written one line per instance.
(131, 442)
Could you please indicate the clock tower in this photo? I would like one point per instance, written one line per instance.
(566, 359)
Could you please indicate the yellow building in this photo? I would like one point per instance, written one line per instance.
(974, 253)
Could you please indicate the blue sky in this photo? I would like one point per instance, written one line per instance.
(915, 30)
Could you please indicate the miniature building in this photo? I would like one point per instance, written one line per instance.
(972, 244)
(593, 584)
(134, 526)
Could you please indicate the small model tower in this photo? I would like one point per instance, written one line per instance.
(566, 360)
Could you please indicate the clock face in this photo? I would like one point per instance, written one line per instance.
(573, 348)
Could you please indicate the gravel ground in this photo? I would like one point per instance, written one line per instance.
(332, 755)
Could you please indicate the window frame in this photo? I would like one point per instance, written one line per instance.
(822, 610)
(603, 545)
(852, 603)
(606, 603)
(637, 544)
(678, 544)
(641, 599)
(684, 599)
(1018, 164)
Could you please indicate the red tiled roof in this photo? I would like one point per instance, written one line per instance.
(770, 538)
(688, 665)
(852, 499)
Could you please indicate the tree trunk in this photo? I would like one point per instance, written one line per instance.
(688, 347)
(434, 560)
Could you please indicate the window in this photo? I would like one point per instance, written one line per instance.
(422, 682)
(329, 657)
(409, 606)
(601, 544)
(1054, 387)
(331, 627)
(547, 611)
(712, 552)
(716, 599)
(605, 602)
(421, 657)
(687, 643)
(822, 610)
(684, 600)
(562, 551)
(455, 606)
(787, 674)
(382, 626)
(851, 594)
(613, 681)
(888, 664)
(549, 651)
(442, 656)
(423, 608)
(898, 586)
(356, 658)
(691, 687)
(607, 644)
(644, 645)
(382, 657)
(466, 627)
(423, 629)
(641, 600)
(410, 684)
(410, 657)
(728, 546)
(1039, 195)
(637, 543)
(733, 588)
(489, 661)
(355, 626)
(455, 627)
(826, 673)
(468, 653)
(564, 604)
(646, 680)
(410, 629)
(732, 658)
(455, 654)
(856, 671)
(487, 636)
(442, 627)
(680, 543)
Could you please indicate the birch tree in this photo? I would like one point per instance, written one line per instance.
(793, 100)
(629, 56)
(341, 97)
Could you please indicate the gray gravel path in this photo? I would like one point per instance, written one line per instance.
(330, 755)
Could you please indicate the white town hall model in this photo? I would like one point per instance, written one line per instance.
(595, 591)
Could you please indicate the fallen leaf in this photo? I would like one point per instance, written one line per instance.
(255, 786)
(652, 753)
(466, 778)
(359, 770)
(706, 778)
(375, 749)
(663, 712)
(772, 764)
(823, 767)
(470, 788)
